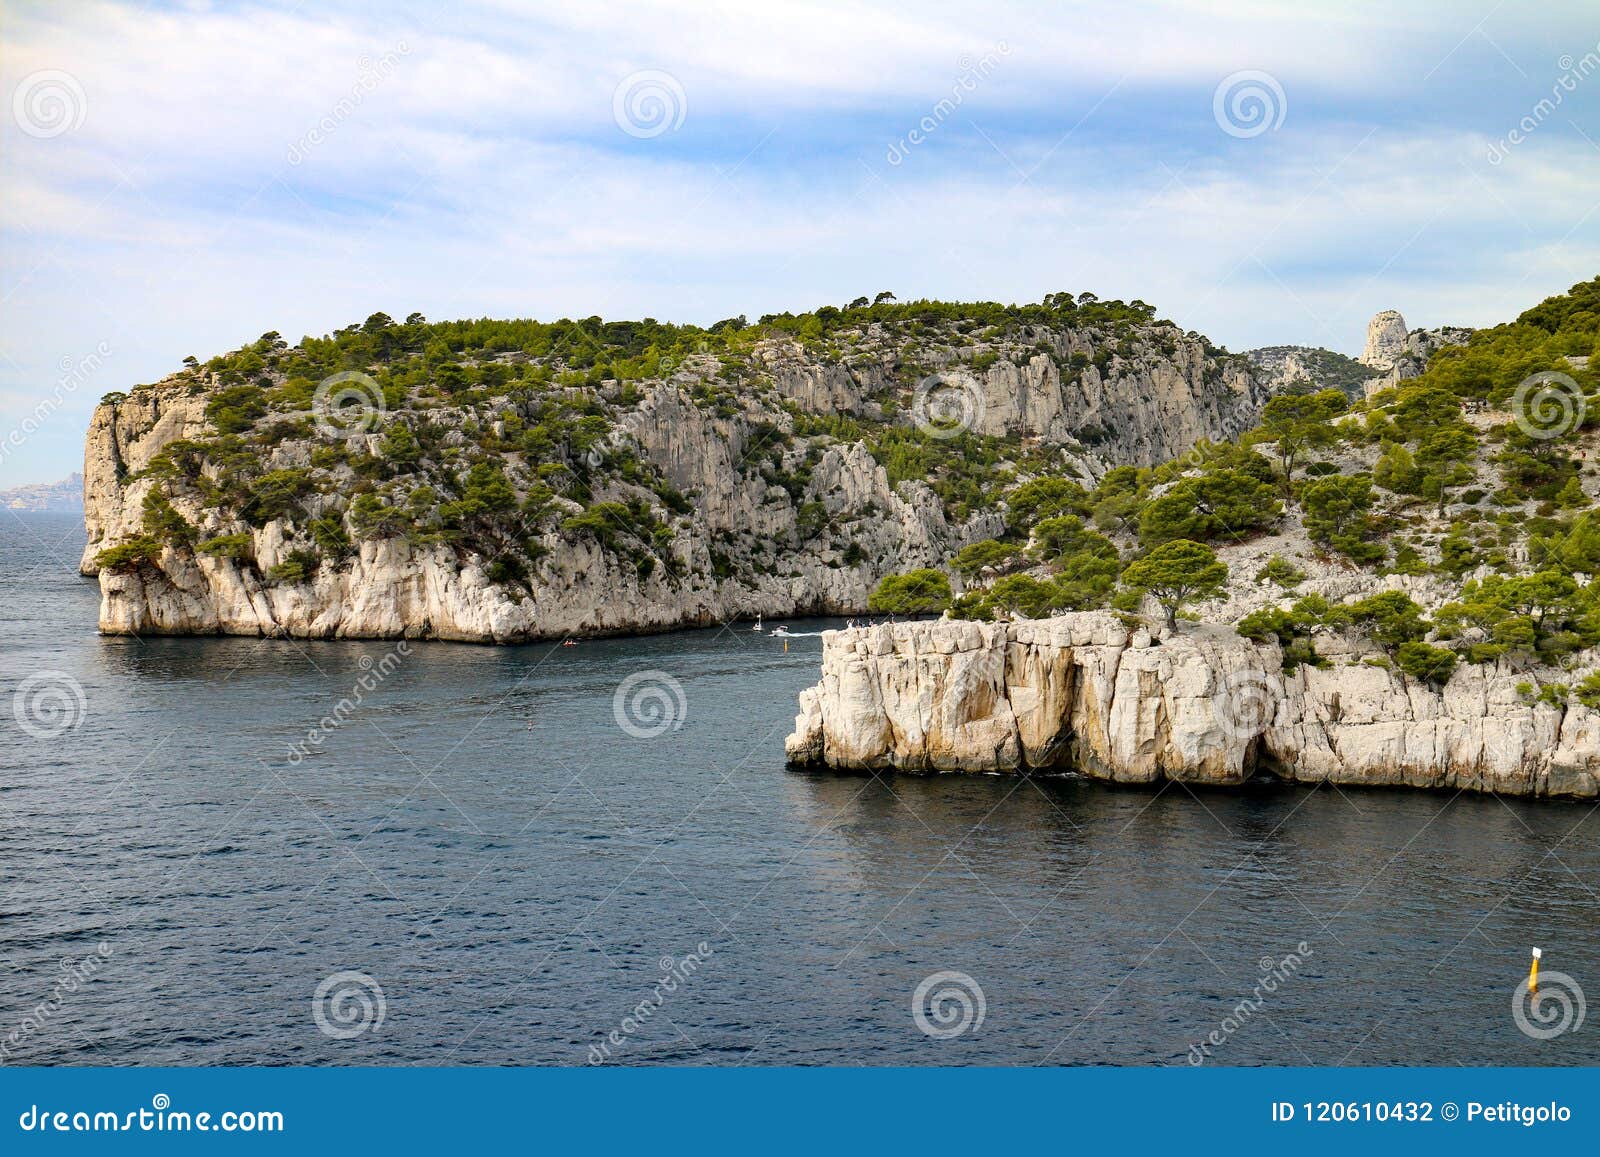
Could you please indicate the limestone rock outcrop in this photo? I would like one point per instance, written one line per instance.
(1399, 354)
(1138, 407)
(772, 516)
(1279, 368)
(1084, 693)
(390, 588)
(1386, 340)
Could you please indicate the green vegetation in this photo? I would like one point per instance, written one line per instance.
(989, 554)
(606, 521)
(297, 567)
(238, 547)
(918, 592)
(130, 555)
(1047, 497)
(1336, 515)
(1082, 564)
(1282, 572)
(1292, 628)
(1540, 616)
(1177, 573)
(236, 409)
(1430, 664)
(1295, 423)
(1391, 618)
(1225, 505)
(163, 523)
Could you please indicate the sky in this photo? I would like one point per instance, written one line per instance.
(179, 178)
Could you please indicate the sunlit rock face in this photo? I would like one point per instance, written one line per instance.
(779, 521)
(1400, 354)
(1386, 340)
(1084, 693)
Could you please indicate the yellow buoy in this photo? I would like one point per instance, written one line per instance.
(1533, 972)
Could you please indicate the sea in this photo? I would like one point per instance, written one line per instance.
(225, 851)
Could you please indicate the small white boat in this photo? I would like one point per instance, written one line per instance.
(780, 632)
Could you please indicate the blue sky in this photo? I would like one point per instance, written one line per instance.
(165, 188)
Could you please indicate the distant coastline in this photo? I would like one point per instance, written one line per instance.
(65, 495)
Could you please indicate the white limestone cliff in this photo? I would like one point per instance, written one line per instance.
(1140, 409)
(1386, 340)
(746, 546)
(390, 588)
(1398, 353)
(1084, 693)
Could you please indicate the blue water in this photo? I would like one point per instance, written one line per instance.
(482, 840)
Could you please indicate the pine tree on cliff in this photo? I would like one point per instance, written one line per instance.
(1176, 573)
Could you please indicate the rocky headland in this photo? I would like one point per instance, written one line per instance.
(500, 482)
(1384, 585)
(1155, 560)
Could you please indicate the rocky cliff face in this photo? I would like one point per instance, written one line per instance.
(391, 586)
(1280, 367)
(1083, 693)
(1135, 399)
(717, 488)
(1391, 355)
(1397, 353)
